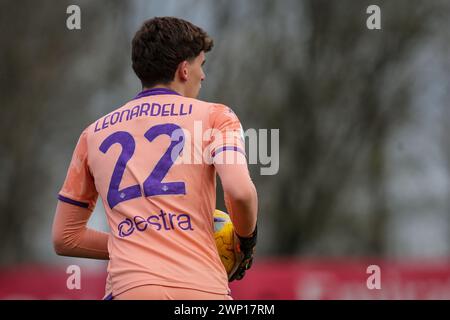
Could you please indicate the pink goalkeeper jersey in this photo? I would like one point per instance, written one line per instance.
(150, 162)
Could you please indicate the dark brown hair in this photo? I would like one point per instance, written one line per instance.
(161, 44)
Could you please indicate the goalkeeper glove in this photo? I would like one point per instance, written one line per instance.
(246, 248)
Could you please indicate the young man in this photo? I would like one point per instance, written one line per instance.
(158, 205)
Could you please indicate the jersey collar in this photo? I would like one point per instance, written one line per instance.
(155, 91)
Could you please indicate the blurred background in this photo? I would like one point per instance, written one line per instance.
(364, 124)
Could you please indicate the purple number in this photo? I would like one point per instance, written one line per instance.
(153, 185)
(115, 196)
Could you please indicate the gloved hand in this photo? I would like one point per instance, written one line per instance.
(246, 248)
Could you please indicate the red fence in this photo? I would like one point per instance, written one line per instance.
(269, 279)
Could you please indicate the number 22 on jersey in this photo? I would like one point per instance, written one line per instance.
(153, 185)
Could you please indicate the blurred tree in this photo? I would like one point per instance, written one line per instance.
(47, 82)
(335, 89)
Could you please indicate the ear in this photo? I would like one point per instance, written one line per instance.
(183, 71)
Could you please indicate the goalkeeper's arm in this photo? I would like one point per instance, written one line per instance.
(72, 238)
(240, 195)
(242, 203)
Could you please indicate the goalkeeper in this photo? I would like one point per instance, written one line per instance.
(160, 210)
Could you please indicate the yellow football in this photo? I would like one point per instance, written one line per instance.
(225, 240)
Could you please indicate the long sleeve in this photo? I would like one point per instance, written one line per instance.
(71, 237)
(240, 196)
